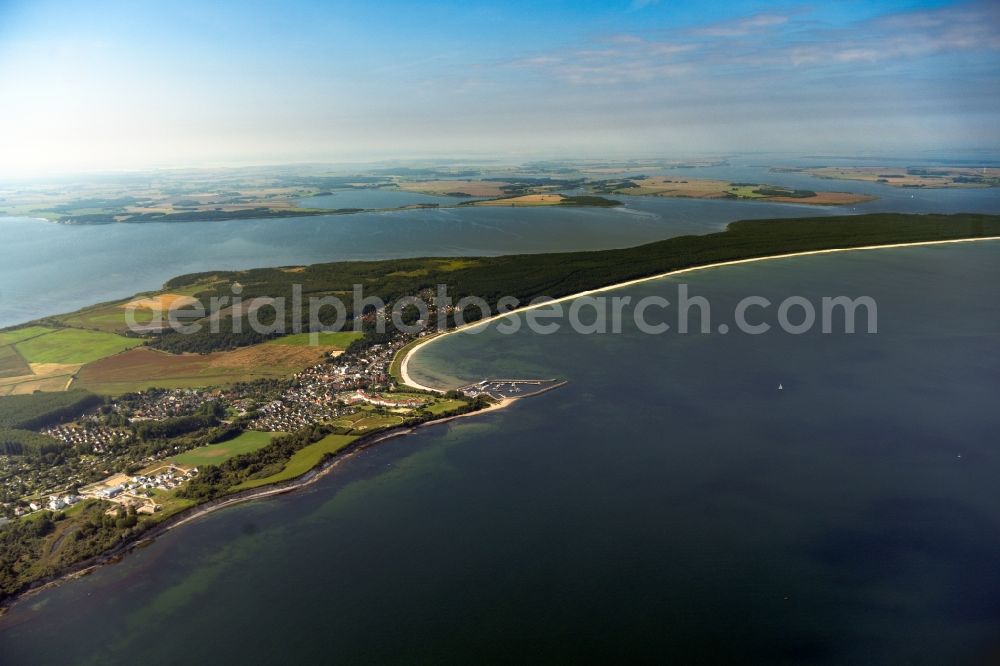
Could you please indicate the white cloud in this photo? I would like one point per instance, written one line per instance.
(762, 41)
(745, 26)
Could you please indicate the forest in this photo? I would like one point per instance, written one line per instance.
(528, 276)
(20, 414)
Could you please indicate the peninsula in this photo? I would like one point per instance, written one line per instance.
(920, 177)
(702, 188)
(140, 431)
(214, 195)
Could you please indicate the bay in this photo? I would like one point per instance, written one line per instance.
(668, 504)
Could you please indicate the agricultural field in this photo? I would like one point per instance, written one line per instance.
(161, 302)
(546, 199)
(525, 200)
(45, 378)
(677, 187)
(37, 358)
(302, 461)
(930, 177)
(21, 334)
(11, 363)
(73, 346)
(213, 454)
(472, 188)
(144, 368)
(182, 197)
(701, 188)
(109, 319)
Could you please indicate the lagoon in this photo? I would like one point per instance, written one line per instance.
(47, 268)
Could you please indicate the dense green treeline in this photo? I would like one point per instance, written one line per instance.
(38, 410)
(173, 427)
(775, 192)
(215, 480)
(20, 414)
(26, 546)
(205, 342)
(18, 442)
(528, 276)
(589, 200)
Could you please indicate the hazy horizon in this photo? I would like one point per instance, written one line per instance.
(122, 86)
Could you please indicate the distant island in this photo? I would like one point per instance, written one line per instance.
(929, 177)
(700, 188)
(252, 193)
(546, 200)
(219, 195)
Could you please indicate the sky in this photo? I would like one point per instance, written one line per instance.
(136, 84)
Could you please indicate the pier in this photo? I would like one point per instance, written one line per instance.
(500, 389)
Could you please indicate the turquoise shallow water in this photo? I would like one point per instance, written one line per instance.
(668, 504)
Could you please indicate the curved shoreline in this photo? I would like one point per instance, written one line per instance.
(412, 383)
(487, 202)
(118, 552)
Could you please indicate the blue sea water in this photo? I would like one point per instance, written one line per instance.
(670, 504)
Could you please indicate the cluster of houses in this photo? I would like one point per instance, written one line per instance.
(134, 491)
(55, 503)
(321, 392)
(288, 415)
(90, 436)
(361, 396)
(156, 405)
(165, 477)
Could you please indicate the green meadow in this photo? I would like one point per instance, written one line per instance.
(340, 339)
(442, 406)
(20, 334)
(213, 454)
(108, 318)
(72, 346)
(302, 461)
(377, 421)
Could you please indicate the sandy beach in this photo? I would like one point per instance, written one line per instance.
(408, 379)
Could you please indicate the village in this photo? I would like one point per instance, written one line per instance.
(102, 445)
(330, 390)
